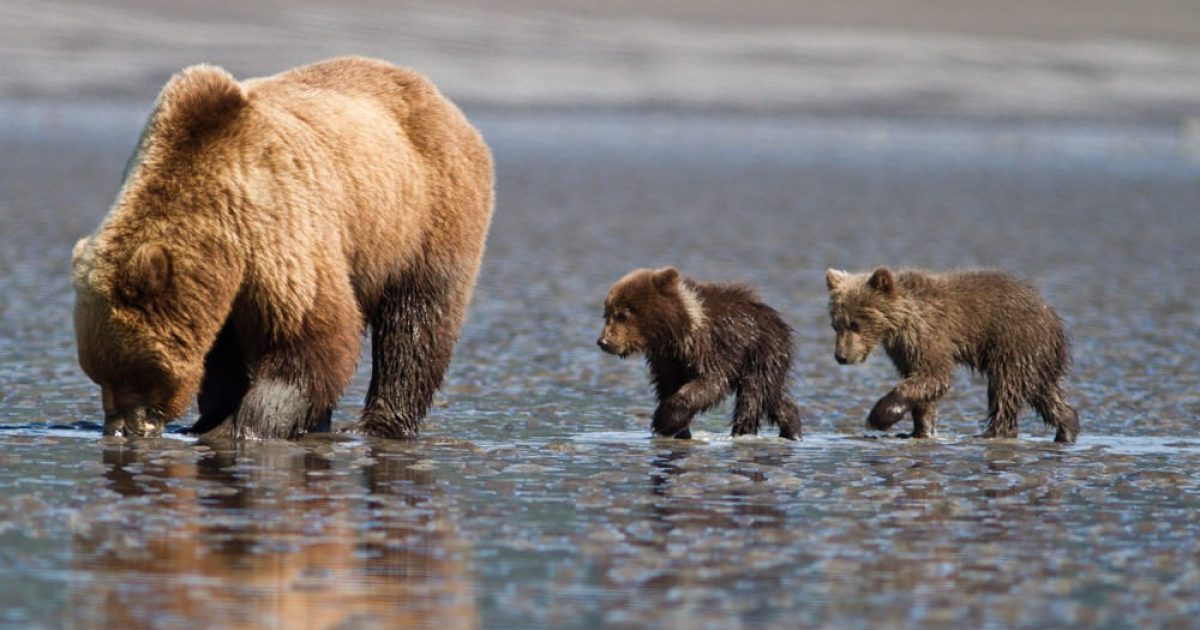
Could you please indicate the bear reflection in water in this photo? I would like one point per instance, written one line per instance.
(265, 536)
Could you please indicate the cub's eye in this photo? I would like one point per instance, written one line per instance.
(620, 317)
(854, 327)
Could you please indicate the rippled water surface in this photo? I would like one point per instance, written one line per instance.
(535, 497)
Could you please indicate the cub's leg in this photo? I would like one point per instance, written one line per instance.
(751, 406)
(676, 411)
(787, 416)
(1058, 414)
(1004, 408)
(924, 420)
(888, 411)
(763, 395)
(921, 389)
(226, 380)
(413, 331)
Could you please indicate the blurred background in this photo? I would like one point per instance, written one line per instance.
(1095, 59)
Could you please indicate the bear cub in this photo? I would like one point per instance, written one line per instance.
(702, 341)
(998, 325)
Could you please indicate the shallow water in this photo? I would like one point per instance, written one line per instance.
(536, 497)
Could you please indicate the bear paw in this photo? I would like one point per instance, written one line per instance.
(888, 411)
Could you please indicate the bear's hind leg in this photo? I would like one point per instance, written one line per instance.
(754, 402)
(787, 416)
(762, 395)
(1004, 408)
(226, 380)
(1058, 414)
(413, 332)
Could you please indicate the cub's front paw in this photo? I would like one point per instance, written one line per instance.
(670, 422)
(888, 411)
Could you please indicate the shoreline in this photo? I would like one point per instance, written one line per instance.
(59, 120)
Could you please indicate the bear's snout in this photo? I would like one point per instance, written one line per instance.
(841, 358)
(137, 422)
(604, 344)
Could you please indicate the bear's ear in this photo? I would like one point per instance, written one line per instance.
(77, 251)
(665, 278)
(147, 274)
(882, 281)
(196, 101)
(835, 278)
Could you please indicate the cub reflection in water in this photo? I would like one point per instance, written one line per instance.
(271, 535)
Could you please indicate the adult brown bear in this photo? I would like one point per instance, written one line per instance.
(259, 227)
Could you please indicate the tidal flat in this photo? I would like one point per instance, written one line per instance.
(536, 497)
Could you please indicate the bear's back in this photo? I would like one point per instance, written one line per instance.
(402, 168)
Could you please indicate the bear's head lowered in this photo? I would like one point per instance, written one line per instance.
(860, 305)
(127, 343)
(155, 282)
(649, 311)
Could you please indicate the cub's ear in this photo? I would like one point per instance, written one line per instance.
(147, 274)
(77, 251)
(835, 278)
(882, 281)
(666, 278)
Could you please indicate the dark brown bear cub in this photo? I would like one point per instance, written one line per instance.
(928, 323)
(703, 341)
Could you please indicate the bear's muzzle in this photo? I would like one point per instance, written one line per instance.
(140, 421)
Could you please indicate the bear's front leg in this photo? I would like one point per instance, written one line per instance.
(914, 393)
(671, 420)
(279, 407)
(888, 411)
(296, 380)
(226, 380)
(924, 420)
(674, 413)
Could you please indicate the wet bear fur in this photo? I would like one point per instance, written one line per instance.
(928, 323)
(701, 342)
(260, 227)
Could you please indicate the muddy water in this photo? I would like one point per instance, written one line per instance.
(535, 496)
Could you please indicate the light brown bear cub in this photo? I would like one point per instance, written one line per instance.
(703, 341)
(260, 227)
(928, 323)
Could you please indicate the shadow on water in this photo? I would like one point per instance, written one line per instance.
(270, 535)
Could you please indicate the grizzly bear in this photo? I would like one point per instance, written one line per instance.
(701, 342)
(928, 323)
(259, 227)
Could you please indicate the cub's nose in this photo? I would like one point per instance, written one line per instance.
(841, 358)
(604, 345)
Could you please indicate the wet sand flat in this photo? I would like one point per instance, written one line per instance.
(535, 497)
